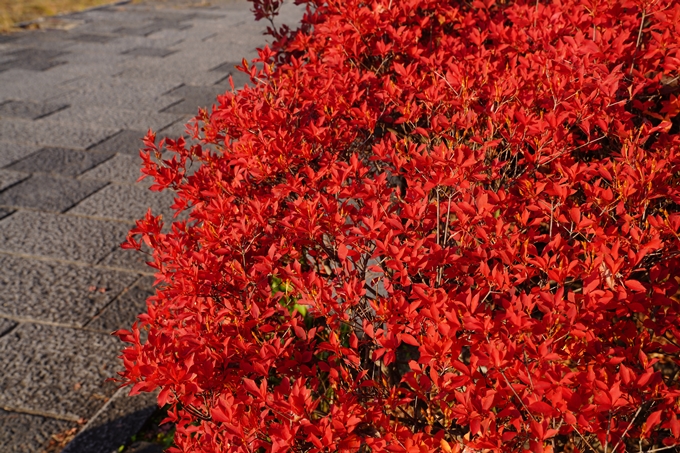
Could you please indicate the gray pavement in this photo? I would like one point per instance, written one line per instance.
(75, 100)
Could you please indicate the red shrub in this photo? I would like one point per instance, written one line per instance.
(428, 226)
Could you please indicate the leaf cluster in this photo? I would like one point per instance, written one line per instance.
(426, 226)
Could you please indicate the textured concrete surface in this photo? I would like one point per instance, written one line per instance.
(70, 238)
(120, 414)
(22, 432)
(53, 292)
(30, 110)
(74, 105)
(62, 161)
(121, 169)
(62, 375)
(6, 325)
(9, 178)
(11, 151)
(130, 260)
(124, 309)
(125, 202)
(48, 193)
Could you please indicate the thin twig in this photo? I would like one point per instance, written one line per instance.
(438, 220)
(518, 397)
(446, 234)
(627, 428)
(526, 365)
(447, 82)
(438, 216)
(535, 13)
(639, 37)
(584, 439)
(448, 213)
(590, 142)
(661, 449)
(609, 425)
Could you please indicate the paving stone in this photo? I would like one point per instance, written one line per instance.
(125, 202)
(123, 311)
(215, 17)
(63, 161)
(186, 107)
(149, 52)
(30, 110)
(101, 21)
(172, 26)
(194, 97)
(118, 93)
(171, 36)
(3, 57)
(193, 66)
(75, 73)
(290, 14)
(29, 64)
(47, 132)
(36, 54)
(172, 18)
(5, 326)
(22, 433)
(57, 370)
(9, 178)
(239, 78)
(125, 141)
(159, 40)
(22, 84)
(149, 72)
(132, 260)
(11, 152)
(121, 418)
(89, 37)
(114, 118)
(145, 30)
(49, 193)
(4, 39)
(177, 129)
(48, 291)
(43, 40)
(45, 44)
(89, 66)
(200, 57)
(59, 236)
(242, 37)
(227, 67)
(121, 168)
(200, 35)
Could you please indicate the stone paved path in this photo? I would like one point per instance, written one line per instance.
(74, 103)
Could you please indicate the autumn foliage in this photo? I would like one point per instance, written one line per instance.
(427, 225)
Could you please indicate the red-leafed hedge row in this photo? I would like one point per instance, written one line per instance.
(428, 226)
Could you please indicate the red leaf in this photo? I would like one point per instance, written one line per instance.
(653, 420)
(409, 339)
(635, 285)
(539, 407)
(675, 426)
(342, 252)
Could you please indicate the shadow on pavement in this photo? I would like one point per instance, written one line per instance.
(114, 424)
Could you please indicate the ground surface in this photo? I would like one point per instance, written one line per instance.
(74, 103)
